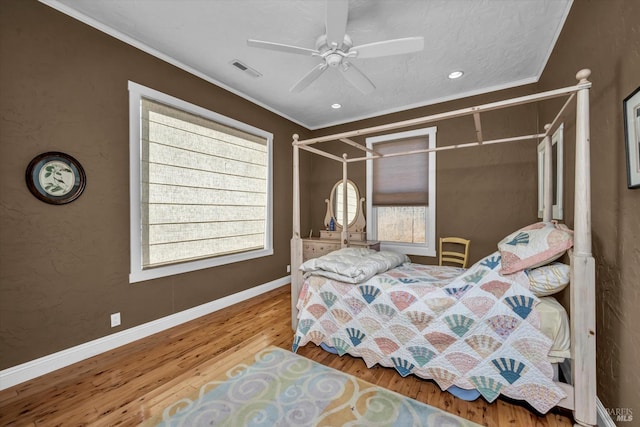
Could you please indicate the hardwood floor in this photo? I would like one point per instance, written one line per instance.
(125, 386)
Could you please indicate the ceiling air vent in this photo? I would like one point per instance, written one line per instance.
(244, 67)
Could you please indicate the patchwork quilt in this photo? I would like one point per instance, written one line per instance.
(474, 329)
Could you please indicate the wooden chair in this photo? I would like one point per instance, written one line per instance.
(457, 257)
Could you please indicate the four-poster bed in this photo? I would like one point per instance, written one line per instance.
(581, 395)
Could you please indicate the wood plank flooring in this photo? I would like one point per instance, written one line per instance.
(125, 386)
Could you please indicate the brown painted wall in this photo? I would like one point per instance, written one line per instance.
(64, 269)
(483, 193)
(605, 37)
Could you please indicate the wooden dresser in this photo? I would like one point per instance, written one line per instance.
(329, 241)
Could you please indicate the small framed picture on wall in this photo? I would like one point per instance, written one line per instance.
(631, 108)
(55, 178)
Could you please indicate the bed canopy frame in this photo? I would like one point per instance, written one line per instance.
(581, 395)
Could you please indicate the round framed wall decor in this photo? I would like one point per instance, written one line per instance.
(55, 178)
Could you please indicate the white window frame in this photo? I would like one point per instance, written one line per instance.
(423, 249)
(137, 273)
(557, 140)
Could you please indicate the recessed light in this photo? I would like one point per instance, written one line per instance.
(455, 74)
(336, 106)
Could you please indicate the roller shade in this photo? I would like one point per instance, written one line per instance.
(401, 180)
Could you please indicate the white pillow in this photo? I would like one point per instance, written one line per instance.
(534, 245)
(554, 323)
(548, 279)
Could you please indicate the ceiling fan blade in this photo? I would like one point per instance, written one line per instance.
(282, 47)
(389, 47)
(336, 22)
(309, 78)
(356, 77)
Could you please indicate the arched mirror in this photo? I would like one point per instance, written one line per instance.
(335, 203)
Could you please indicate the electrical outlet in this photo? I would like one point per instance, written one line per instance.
(115, 320)
(288, 269)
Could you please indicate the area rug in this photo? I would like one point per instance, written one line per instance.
(279, 388)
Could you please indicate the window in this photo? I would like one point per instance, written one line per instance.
(557, 149)
(200, 187)
(401, 192)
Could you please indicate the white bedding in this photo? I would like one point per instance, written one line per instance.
(353, 265)
(554, 323)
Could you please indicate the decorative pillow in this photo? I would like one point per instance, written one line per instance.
(533, 246)
(548, 279)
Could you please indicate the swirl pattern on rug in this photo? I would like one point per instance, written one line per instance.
(283, 389)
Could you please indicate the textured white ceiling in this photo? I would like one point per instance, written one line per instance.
(498, 44)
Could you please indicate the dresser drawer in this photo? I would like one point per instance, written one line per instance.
(314, 249)
(337, 235)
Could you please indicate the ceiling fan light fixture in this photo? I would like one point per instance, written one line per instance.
(456, 74)
(335, 49)
(333, 59)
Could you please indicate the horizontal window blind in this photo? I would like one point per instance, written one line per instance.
(401, 180)
(204, 187)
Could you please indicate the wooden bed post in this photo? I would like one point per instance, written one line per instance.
(547, 200)
(582, 289)
(345, 220)
(296, 241)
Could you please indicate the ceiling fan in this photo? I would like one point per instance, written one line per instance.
(336, 49)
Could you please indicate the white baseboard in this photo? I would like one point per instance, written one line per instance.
(604, 419)
(43, 365)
